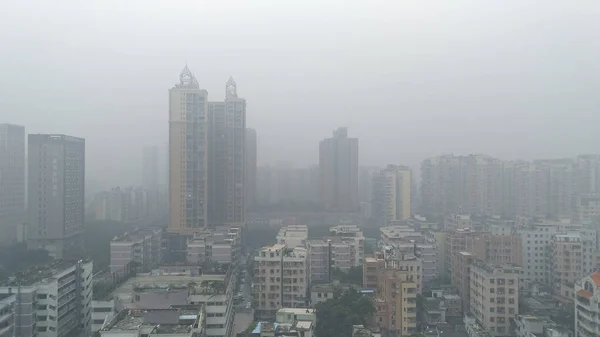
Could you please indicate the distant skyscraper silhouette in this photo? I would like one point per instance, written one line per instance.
(56, 190)
(251, 163)
(12, 180)
(338, 165)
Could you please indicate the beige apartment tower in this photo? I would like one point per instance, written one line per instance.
(391, 194)
(188, 170)
(338, 165)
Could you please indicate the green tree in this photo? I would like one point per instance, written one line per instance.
(353, 276)
(335, 317)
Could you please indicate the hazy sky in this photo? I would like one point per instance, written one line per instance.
(411, 79)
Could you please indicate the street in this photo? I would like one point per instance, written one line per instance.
(244, 316)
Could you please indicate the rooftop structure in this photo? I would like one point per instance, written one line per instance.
(176, 322)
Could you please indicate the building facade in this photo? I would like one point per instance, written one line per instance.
(251, 165)
(53, 300)
(227, 158)
(391, 198)
(188, 155)
(56, 192)
(280, 279)
(142, 248)
(338, 165)
(12, 180)
(587, 306)
(494, 296)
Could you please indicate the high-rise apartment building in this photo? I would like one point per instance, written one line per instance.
(494, 296)
(280, 279)
(461, 271)
(535, 239)
(56, 190)
(338, 165)
(391, 200)
(251, 164)
(188, 154)
(12, 180)
(150, 167)
(227, 157)
(462, 185)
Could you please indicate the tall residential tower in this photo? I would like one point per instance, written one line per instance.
(227, 157)
(56, 189)
(338, 165)
(251, 160)
(188, 154)
(12, 180)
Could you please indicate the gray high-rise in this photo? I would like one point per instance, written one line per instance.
(338, 165)
(251, 160)
(56, 189)
(12, 180)
(226, 153)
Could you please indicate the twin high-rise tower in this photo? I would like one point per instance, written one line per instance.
(206, 157)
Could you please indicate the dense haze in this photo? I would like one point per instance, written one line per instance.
(411, 79)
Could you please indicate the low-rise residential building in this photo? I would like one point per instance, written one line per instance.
(102, 311)
(156, 322)
(528, 325)
(293, 236)
(495, 248)
(143, 247)
(332, 252)
(214, 246)
(494, 296)
(52, 301)
(281, 278)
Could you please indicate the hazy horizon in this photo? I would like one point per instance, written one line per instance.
(410, 79)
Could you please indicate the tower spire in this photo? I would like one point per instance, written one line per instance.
(231, 89)
(187, 79)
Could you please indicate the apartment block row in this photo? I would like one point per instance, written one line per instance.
(181, 300)
(283, 272)
(50, 301)
(482, 185)
(142, 248)
(128, 204)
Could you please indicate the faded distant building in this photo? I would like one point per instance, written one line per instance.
(188, 155)
(12, 180)
(338, 165)
(462, 185)
(150, 167)
(251, 164)
(391, 199)
(286, 186)
(56, 190)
